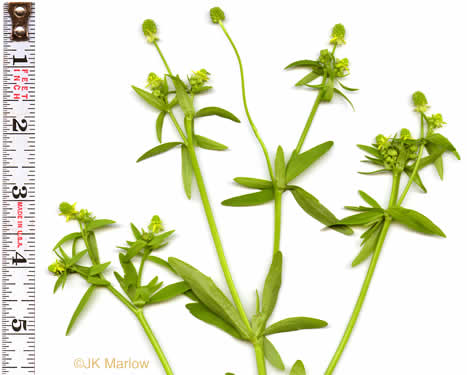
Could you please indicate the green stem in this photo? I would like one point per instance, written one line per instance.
(367, 281)
(177, 125)
(125, 301)
(416, 165)
(141, 266)
(155, 344)
(259, 352)
(245, 105)
(163, 58)
(215, 234)
(309, 121)
(277, 219)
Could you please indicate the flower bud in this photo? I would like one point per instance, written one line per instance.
(342, 67)
(150, 30)
(420, 102)
(156, 225)
(382, 141)
(57, 268)
(68, 210)
(199, 78)
(436, 121)
(405, 134)
(217, 15)
(338, 35)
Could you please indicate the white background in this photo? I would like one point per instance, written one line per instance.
(92, 128)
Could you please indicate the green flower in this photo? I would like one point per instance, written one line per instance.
(68, 210)
(342, 67)
(150, 30)
(338, 35)
(436, 121)
(199, 78)
(420, 102)
(325, 57)
(156, 225)
(405, 134)
(84, 216)
(217, 15)
(382, 142)
(154, 81)
(57, 268)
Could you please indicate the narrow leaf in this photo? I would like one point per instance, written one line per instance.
(315, 209)
(183, 98)
(93, 251)
(187, 171)
(68, 237)
(151, 99)
(302, 63)
(159, 124)
(253, 183)
(169, 292)
(415, 220)
(80, 307)
(161, 262)
(216, 111)
(294, 324)
(272, 355)
(279, 167)
(209, 294)
(371, 150)
(372, 202)
(298, 369)
(98, 268)
(202, 313)
(60, 280)
(100, 223)
(308, 78)
(302, 161)
(209, 144)
(135, 231)
(97, 281)
(75, 258)
(253, 199)
(345, 97)
(272, 285)
(158, 150)
(346, 88)
(369, 245)
(362, 218)
(441, 140)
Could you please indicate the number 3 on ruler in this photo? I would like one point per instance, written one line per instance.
(19, 193)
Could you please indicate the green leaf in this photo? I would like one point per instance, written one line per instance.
(129, 270)
(202, 313)
(442, 141)
(438, 163)
(294, 324)
(151, 99)
(345, 97)
(346, 88)
(209, 144)
(74, 247)
(371, 150)
(272, 355)
(272, 285)
(98, 268)
(303, 63)
(417, 179)
(187, 171)
(159, 239)
(135, 231)
(80, 307)
(75, 258)
(253, 183)
(415, 220)
(369, 244)
(362, 219)
(68, 237)
(159, 124)
(279, 167)
(96, 224)
(372, 202)
(302, 161)
(375, 172)
(253, 199)
(184, 99)
(161, 262)
(216, 111)
(158, 150)
(169, 292)
(315, 209)
(97, 281)
(308, 78)
(60, 281)
(209, 294)
(298, 369)
(93, 250)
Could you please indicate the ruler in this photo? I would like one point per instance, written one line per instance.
(18, 189)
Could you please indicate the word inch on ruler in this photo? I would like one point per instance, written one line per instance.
(18, 189)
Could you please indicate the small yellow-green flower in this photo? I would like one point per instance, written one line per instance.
(217, 15)
(68, 210)
(57, 268)
(338, 35)
(156, 225)
(420, 102)
(436, 121)
(342, 67)
(405, 134)
(154, 81)
(150, 30)
(199, 78)
(382, 141)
